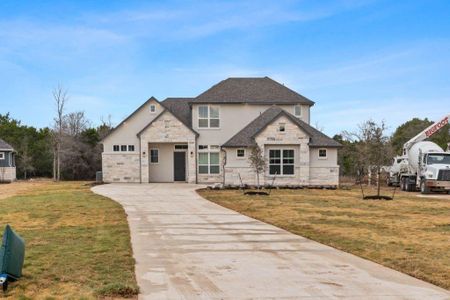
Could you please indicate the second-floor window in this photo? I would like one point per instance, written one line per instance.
(208, 116)
(297, 110)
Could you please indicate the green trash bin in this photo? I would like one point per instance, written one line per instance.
(12, 255)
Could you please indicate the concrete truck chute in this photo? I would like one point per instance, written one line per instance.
(423, 164)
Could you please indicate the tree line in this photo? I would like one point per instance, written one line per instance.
(69, 149)
(371, 146)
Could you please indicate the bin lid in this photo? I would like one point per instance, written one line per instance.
(12, 253)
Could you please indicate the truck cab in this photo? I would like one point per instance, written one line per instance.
(434, 172)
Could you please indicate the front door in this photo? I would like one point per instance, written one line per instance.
(179, 166)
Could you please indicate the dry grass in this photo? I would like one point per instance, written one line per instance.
(21, 187)
(409, 234)
(77, 243)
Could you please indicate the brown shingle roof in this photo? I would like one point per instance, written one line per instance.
(257, 90)
(245, 137)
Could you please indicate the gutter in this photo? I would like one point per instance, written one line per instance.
(140, 161)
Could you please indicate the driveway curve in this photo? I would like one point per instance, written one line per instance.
(189, 248)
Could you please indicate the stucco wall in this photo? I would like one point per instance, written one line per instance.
(126, 134)
(167, 129)
(234, 117)
(120, 167)
(163, 171)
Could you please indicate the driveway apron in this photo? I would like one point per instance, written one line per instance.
(189, 248)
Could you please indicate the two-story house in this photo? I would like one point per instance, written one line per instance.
(208, 139)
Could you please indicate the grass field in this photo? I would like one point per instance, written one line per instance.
(77, 243)
(409, 234)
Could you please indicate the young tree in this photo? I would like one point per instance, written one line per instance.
(26, 161)
(60, 97)
(373, 148)
(257, 162)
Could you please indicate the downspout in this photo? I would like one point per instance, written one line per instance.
(195, 159)
(223, 165)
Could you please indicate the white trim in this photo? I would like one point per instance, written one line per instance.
(150, 156)
(281, 162)
(180, 150)
(241, 157)
(2, 156)
(322, 157)
(208, 118)
(134, 148)
(209, 165)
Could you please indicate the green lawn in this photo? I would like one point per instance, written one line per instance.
(77, 243)
(409, 234)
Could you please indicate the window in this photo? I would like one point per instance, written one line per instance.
(152, 108)
(131, 148)
(208, 116)
(2, 155)
(181, 147)
(297, 110)
(240, 153)
(282, 127)
(154, 156)
(281, 162)
(322, 153)
(208, 159)
(123, 148)
(116, 148)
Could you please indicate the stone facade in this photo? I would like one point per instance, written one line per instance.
(292, 137)
(121, 167)
(7, 174)
(324, 176)
(168, 129)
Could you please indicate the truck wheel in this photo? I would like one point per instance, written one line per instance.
(423, 187)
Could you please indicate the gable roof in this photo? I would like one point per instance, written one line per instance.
(179, 109)
(256, 90)
(246, 137)
(5, 146)
(131, 115)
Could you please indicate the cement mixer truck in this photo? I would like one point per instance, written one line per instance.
(423, 164)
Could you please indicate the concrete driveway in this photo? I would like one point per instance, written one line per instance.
(188, 248)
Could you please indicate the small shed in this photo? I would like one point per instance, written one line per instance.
(7, 162)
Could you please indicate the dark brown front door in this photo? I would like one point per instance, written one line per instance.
(179, 166)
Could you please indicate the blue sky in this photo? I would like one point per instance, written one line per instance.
(385, 60)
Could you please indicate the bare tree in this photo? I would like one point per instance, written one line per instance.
(60, 97)
(75, 123)
(26, 161)
(373, 149)
(257, 162)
